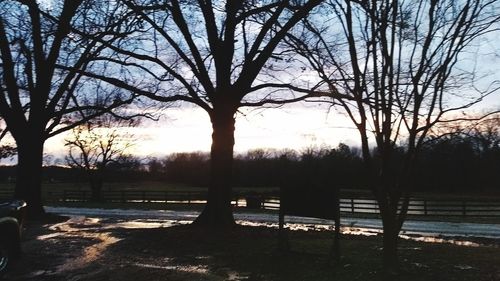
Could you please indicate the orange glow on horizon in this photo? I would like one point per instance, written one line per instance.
(189, 129)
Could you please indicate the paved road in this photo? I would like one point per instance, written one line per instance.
(355, 225)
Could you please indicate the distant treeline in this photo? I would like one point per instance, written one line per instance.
(454, 163)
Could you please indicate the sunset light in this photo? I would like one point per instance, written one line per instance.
(189, 130)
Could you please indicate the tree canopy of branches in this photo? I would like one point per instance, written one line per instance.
(43, 45)
(93, 146)
(405, 66)
(220, 56)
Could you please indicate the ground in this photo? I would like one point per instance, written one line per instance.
(105, 248)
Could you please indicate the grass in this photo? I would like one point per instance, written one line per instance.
(118, 186)
(187, 252)
(128, 206)
(250, 253)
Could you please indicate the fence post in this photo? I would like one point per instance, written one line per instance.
(143, 196)
(64, 195)
(464, 208)
(123, 196)
(425, 207)
(166, 197)
(352, 205)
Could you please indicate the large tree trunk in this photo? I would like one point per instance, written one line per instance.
(29, 174)
(218, 211)
(390, 244)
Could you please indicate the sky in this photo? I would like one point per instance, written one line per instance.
(297, 127)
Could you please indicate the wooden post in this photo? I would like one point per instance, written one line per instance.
(283, 243)
(464, 208)
(352, 205)
(425, 207)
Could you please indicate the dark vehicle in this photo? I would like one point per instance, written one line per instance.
(11, 220)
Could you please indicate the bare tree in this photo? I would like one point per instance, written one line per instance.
(42, 93)
(7, 150)
(405, 66)
(220, 56)
(93, 146)
(486, 133)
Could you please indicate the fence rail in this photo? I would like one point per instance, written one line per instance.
(129, 196)
(429, 207)
(352, 204)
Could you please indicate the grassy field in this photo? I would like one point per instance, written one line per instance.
(118, 186)
(161, 186)
(95, 250)
(251, 253)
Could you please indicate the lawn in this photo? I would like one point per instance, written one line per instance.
(104, 249)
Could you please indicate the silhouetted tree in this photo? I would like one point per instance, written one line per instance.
(190, 168)
(401, 64)
(94, 146)
(220, 56)
(462, 157)
(43, 45)
(156, 167)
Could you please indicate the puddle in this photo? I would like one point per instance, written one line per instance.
(139, 224)
(81, 227)
(463, 267)
(235, 276)
(439, 240)
(199, 269)
(90, 253)
(420, 265)
(127, 219)
(349, 230)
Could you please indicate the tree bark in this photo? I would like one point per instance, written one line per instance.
(218, 210)
(390, 244)
(29, 175)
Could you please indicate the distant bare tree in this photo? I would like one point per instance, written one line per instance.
(6, 150)
(405, 66)
(93, 146)
(43, 45)
(486, 133)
